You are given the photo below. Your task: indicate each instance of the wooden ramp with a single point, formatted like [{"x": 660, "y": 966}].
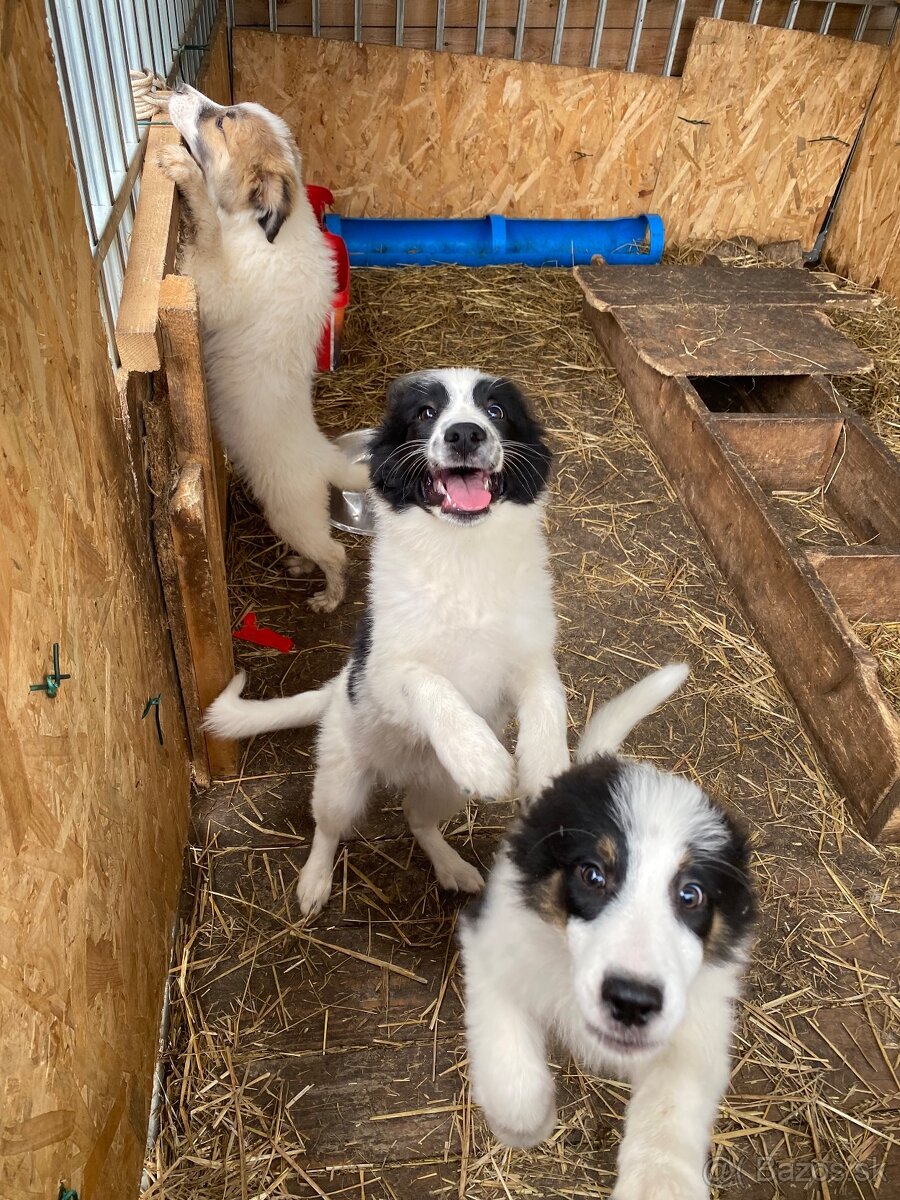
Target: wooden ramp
[{"x": 727, "y": 370}]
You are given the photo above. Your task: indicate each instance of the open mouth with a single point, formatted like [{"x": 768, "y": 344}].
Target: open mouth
[{"x": 464, "y": 491}]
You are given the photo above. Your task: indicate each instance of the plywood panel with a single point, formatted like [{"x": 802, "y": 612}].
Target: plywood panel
[
  {"x": 864, "y": 239},
  {"x": 215, "y": 77},
  {"x": 763, "y": 126},
  {"x": 92, "y": 808},
  {"x": 411, "y": 133}
]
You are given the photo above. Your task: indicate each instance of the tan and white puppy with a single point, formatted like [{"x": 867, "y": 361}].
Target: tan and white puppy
[{"x": 266, "y": 280}]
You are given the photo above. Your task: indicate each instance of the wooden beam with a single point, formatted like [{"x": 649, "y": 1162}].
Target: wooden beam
[
  {"x": 192, "y": 510},
  {"x": 150, "y": 255},
  {"x": 182, "y": 352},
  {"x": 792, "y": 453},
  {"x": 865, "y": 581},
  {"x": 830, "y": 674},
  {"x": 207, "y": 616},
  {"x": 864, "y": 487}
]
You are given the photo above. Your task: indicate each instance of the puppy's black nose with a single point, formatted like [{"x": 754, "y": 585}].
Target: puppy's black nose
[
  {"x": 464, "y": 436},
  {"x": 629, "y": 1001}
]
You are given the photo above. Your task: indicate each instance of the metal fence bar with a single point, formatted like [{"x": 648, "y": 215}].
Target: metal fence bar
[
  {"x": 755, "y": 9},
  {"x": 639, "y": 14},
  {"x": 674, "y": 35},
  {"x": 558, "y": 32},
  {"x": 399, "y": 20},
  {"x": 316, "y": 18},
  {"x": 791, "y": 16},
  {"x": 68, "y": 99},
  {"x": 894, "y": 26},
  {"x": 520, "y": 29},
  {"x": 862, "y": 22},
  {"x": 598, "y": 33},
  {"x": 718, "y": 10},
  {"x": 827, "y": 16},
  {"x": 480, "y": 22},
  {"x": 273, "y": 16},
  {"x": 439, "y": 22},
  {"x": 357, "y": 21}
]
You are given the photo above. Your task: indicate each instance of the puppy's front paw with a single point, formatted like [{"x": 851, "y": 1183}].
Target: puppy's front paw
[
  {"x": 661, "y": 1181},
  {"x": 176, "y": 164},
  {"x": 324, "y": 601},
  {"x": 525, "y": 1139},
  {"x": 313, "y": 890},
  {"x": 486, "y": 769}
]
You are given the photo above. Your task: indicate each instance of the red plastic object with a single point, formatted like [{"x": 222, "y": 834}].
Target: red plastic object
[
  {"x": 320, "y": 198},
  {"x": 328, "y": 355},
  {"x": 258, "y": 635}
]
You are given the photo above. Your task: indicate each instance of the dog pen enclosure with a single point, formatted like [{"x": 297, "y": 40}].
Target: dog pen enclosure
[{"x": 112, "y": 516}]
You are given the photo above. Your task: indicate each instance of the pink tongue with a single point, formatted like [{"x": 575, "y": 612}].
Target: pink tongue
[{"x": 468, "y": 493}]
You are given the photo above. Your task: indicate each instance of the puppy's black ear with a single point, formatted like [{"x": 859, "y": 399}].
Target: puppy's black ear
[
  {"x": 399, "y": 390},
  {"x": 274, "y": 193}
]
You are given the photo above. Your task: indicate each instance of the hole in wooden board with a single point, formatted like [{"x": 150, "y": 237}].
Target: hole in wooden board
[{"x": 784, "y": 394}]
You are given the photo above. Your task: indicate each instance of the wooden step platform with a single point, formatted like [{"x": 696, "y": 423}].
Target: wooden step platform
[{"x": 727, "y": 370}]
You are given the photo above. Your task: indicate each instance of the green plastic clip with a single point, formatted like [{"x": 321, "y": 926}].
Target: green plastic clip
[
  {"x": 51, "y": 682},
  {"x": 154, "y": 703}
]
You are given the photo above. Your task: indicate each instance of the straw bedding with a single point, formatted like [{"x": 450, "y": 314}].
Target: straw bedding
[{"x": 329, "y": 1060}]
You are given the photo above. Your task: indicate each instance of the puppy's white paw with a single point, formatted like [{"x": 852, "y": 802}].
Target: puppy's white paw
[
  {"x": 176, "y": 164},
  {"x": 313, "y": 890},
  {"x": 525, "y": 1139},
  {"x": 485, "y": 768},
  {"x": 459, "y": 876},
  {"x": 356, "y": 478},
  {"x": 297, "y": 566},
  {"x": 661, "y": 1181},
  {"x": 324, "y": 602}
]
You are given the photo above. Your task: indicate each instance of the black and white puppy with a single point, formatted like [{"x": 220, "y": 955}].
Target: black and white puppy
[
  {"x": 616, "y": 921},
  {"x": 459, "y": 632}
]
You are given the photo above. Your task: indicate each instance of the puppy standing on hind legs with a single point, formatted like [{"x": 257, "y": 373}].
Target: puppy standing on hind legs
[
  {"x": 459, "y": 632},
  {"x": 617, "y": 921},
  {"x": 266, "y": 282}
]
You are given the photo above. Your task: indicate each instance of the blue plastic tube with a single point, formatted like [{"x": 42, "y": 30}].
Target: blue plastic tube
[{"x": 493, "y": 241}]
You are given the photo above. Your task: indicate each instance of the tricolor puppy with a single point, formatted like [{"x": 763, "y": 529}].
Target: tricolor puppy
[
  {"x": 266, "y": 280},
  {"x": 616, "y": 923},
  {"x": 458, "y": 634}
]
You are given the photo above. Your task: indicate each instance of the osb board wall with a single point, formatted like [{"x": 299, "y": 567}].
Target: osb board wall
[
  {"x": 397, "y": 132},
  {"x": 864, "y": 239},
  {"x": 763, "y": 126},
  {"x": 379, "y": 18},
  {"x": 215, "y": 75},
  {"x": 92, "y": 809}
]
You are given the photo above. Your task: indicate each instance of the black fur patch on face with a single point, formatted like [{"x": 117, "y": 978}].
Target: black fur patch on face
[
  {"x": 396, "y": 470},
  {"x": 726, "y": 916},
  {"x": 570, "y": 848},
  {"x": 398, "y": 465},
  {"x": 527, "y": 456},
  {"x": 359, "y": 653}
]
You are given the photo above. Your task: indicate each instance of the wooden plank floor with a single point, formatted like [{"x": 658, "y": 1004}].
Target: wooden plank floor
[{"x": 329, "y": 1059}]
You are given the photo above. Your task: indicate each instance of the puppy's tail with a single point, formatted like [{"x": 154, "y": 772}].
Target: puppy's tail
[
  {"x": 231, "y": 717},
  {"x": 610, "y": 726}
]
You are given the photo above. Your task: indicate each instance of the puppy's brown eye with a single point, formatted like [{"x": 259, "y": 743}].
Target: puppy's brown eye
[
  {"x": 495, "y": 412},
  {"x": 691, "y": 895},
  {"x": 592, "y": 876},
  {"x": 426, "y": 414}
]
